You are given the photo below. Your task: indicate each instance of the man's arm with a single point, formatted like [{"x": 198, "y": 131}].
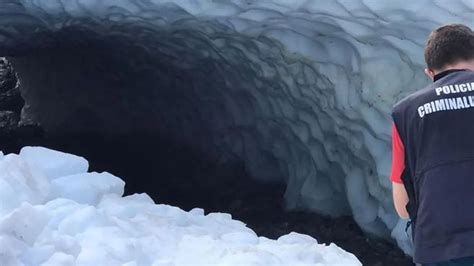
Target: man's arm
[
  {"x": 400, "y": 199},
  {"x": 400, "y": 196}
]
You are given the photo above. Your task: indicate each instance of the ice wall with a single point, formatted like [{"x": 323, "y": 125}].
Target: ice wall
[{"x": 300, "y": 90}]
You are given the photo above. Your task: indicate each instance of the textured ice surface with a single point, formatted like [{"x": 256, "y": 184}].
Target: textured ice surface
[
  {"x": 300, "y": 90},
  {"x": 83, "y": 219},
  {"x": 52, "y": 163}
]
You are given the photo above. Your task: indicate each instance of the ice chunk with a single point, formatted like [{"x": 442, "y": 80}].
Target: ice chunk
[
  {"x": 10, "y": 249},
  {"x": 25, "y": 223},
  {"x": 241, "y": 237},
  {"x": 87, "y": 188},
  {"x": 18, "y": 184},
  {"x": 81, "y": 220},
  {"x": 54, "y": 163},
  {"x": 197, "y": 211},
  {"x": 60, "y": 259},
  {"x": 295, "y": 238}
]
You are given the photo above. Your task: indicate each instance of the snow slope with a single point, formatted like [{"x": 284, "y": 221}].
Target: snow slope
[{"x": 52, "y": 212}]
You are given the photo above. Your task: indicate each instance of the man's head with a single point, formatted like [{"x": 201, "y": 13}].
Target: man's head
[{"x": 449, "y": 47}]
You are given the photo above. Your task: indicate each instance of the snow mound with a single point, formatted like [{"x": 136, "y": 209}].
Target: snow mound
[{"x": 53, "y": 212}]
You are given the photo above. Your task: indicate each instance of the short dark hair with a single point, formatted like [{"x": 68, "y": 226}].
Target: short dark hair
[{"x": 449, "y": 44}]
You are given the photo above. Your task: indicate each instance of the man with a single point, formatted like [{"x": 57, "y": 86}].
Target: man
[{"x": 433, "y": 152}]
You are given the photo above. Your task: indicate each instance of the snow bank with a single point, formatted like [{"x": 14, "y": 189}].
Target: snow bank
[{"x": 53, "y": 212}]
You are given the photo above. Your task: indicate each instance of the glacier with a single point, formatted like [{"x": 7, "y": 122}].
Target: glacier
[
  {"x": 300, "y": 90},
  {"x": 54, "y": 212}
]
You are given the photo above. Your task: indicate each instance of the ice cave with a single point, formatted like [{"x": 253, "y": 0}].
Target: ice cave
[{"x": 295, "y": 92}]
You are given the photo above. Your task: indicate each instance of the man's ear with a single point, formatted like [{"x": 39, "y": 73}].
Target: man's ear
[{"x": 430, "y": 73}]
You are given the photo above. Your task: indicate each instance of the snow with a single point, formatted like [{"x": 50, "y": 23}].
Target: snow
[
  {"x": 49, "y": 216},
  {"x": 313, "y": 110},
  {"x": 86, "y": 188},
  {"x": 52, "y": 163}
]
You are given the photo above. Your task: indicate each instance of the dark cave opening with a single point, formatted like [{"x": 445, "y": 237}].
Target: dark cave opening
[
  {"x": 149, "y": 118},
  {"x": 158, "y": 141},
  {"x": 129, "y": 112}
]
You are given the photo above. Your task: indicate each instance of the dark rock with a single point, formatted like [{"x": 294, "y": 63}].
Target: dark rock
[
  {"x": 10, "y": 96},
  {"x": 8, "y": 78},
  {"x": 11, "y": 100},
  {"x": 8, "y": 121}
]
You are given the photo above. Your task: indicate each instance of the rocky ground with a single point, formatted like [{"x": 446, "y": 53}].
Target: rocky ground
[{"x": 188, "y": 181}]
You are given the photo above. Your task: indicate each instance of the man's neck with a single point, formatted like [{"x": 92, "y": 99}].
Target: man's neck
[
  {"x": 443, "y": 74},
  {"x": 461, "y": 65}
]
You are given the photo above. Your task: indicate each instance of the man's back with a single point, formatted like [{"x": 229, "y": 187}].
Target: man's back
[{"x": 436, "y": 126}]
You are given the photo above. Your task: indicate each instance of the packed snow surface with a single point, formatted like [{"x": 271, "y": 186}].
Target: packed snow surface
[{"x": 53, "y": 212}]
